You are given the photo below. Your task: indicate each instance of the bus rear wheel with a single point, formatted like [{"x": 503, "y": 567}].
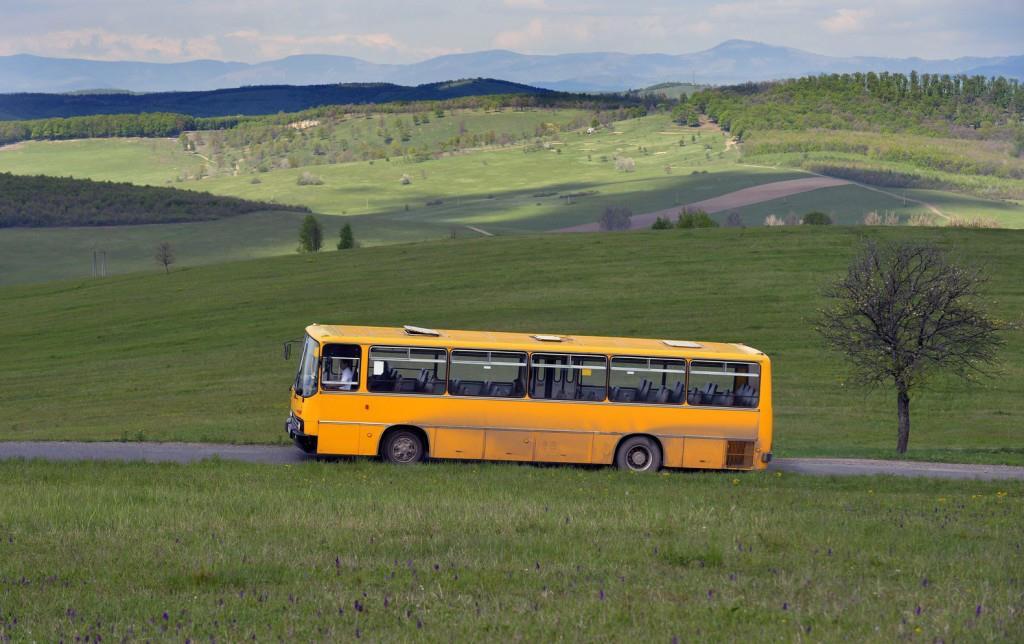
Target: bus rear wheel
[
  {"x": 638, "y": 454},
  {"x": 403, "y": 447}
]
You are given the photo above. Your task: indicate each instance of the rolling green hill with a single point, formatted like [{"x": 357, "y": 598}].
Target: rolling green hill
[{"x": 195, "y": 355}]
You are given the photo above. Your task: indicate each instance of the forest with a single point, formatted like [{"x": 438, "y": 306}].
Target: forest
[
  {"x": 971, "y": 107},
  {"x": 44, "y": 201}
]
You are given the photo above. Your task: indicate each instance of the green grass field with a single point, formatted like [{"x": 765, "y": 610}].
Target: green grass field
[
  {"x": 195, "y": 355},
  {"x": 467, "y": 552},
  {"x": 502, "y": 190}
]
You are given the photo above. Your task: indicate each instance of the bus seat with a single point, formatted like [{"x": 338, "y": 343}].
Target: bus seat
[
  {"x": 645, "y": 388},
  {"x": 663, "y": 395},
  {"x": 453, "y": 387},
  {"x": 677, "y": 392},
  {"x": 707, "y": 394}
]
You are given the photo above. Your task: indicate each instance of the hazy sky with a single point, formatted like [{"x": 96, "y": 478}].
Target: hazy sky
[{"x": 406, "y": 31}]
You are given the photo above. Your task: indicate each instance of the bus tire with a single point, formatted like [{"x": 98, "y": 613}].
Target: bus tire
[
  {"x": 638, "y": 454},
  {"x": 403, "y": 447}
]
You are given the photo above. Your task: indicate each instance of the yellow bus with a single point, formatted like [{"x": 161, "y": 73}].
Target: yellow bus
[{"x": 408, "y": 394}]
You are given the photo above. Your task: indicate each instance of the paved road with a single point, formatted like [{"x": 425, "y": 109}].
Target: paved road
[{"x": 191, "y": 452}]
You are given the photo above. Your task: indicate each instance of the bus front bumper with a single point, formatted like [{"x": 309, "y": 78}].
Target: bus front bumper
[{"x": 293, "y": 426}]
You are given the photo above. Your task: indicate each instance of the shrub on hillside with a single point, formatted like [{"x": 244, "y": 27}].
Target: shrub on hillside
[
  {"x": 625, "y": 164},
  {"x": 405, "y": 180},
  {"x": 695, "y": 219},
  {"x": 734, "y": 220},
  {"x": 616, "y": 218},
  {"x": 662, "y": 223},
  {"x": 772, "y": 220},
  {"x": 977, "y": 222},
  {"x": 816, "y": 218},
  {"x": 309, "y": 179}
]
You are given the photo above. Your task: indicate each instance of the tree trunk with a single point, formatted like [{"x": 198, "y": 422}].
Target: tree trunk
[{"x": 903, "y": 413}]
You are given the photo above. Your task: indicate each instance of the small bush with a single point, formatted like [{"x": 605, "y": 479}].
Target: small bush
[
  {"x": 309, "y": 179},
  {"x": 792, "y": 219},
  {"x": 734, "y": 220},
  {"x": 922, "y": 219},
  {"x": 772, "y": 220},
  {"x": 255, "y": 180},
  {"x": 662, "y": 223},
  {"x": 816, "y": 218},
  {"x": 695, "y": 219},
  {"x": 625, "y": 164},
  {"x": 978, "y": 222},
  {"x": 872, "y": 219},
  {"x": 405, "y": 180}
]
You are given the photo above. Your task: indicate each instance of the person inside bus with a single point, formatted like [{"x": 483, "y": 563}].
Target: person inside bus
[{"x": 347, "y": 376}]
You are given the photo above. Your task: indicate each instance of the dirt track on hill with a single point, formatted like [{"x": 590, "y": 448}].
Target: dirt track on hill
[
  {"x": 737, "y": 199},
  {"x": 192, "y": 452}
]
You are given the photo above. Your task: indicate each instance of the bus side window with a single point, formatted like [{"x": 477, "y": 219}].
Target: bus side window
[
  {"x": 724, "y": 384},
  {"x": 660, "y": 381},
  {"x": 409, "y": 370},
  {"x": 495, "y": 374},
  {"x": 340, "y": 367}
]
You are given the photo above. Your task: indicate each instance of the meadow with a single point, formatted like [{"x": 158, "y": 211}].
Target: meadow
[
  {"x": 560, "y": 179},
  {"x": 195, "y": 355},
  {"x": 330, "y": 551}
]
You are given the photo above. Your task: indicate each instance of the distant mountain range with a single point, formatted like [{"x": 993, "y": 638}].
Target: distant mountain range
[
  {"x": 733, "y": 61},
  {"x": 261, "y": 99}
]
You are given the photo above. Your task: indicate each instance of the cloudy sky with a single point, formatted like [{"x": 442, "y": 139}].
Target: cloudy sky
[{"x": 408, "y": 30}]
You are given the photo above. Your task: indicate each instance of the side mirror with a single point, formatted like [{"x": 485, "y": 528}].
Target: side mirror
[{"x": 288, "y": 348}]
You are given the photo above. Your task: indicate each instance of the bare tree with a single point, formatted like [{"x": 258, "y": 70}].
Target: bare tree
[
  {"x": 616, "y": 218},
  {"x": 165, "y": 255},
  {"x": 904, "y": 311}
]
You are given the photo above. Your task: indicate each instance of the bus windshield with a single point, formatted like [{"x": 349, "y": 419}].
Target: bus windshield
[{"x": 305, "y": 379}]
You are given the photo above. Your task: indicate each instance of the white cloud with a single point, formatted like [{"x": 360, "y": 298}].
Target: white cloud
[
  {"x": 846, "y": 20},
  {"x": 531, "y": 35},
  {"x": 101, "y": 44}
]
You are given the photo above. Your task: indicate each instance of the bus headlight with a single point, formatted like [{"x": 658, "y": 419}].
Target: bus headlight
[{"x": 293, "y": 425}]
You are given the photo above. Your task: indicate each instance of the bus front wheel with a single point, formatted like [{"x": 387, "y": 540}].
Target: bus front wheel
[
  {"x": 639, "y": 454},
  {"x": 403, "y": 447}
]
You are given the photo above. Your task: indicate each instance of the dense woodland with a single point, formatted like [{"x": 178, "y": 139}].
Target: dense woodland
[
  {"x": 941, "y": 105},
  {"x": 57, "y": 201},
  {"x": 261, "y": 99},
  {"x": 171, "y": 124}
]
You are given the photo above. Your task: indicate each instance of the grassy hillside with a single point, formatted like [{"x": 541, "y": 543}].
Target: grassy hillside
[
  {"x": 335, "y": 552},
  {"x": 196, "y": 355}
]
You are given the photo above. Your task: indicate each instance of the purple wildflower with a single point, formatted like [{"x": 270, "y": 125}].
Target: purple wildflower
[
  {"x": 977, "y": 611},
  {"x": 785, "y": 605},
  {"x": 166, "y": 616},
  {"x": 917, "y": 610},
  {"x": 358, "y": 605},
  {"x": 600, "y": 594}
]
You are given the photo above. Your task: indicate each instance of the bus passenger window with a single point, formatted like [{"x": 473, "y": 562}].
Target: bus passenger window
[
  {"x": 408, "y": 370},
  {"x": 496, "y": 374},
  {"x": 724, "y": 384},
  {"x": 558, "y": 376},
  {"x": 340, "y": 367},
  {"x": 648, "y": 380}
]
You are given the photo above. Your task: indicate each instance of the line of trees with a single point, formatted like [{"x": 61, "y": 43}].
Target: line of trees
[
  {"x": 171, "y": 124},
  {"x": 43, "y": 201},
  {"x": 149, "y": 125}
]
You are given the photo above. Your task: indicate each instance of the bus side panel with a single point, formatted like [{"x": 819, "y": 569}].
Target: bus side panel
[
  {"x": 672, "y": 449},
  {"x": 564, "y": 447},
  {"x": 338, "y": 439},
  {"x": 457, "y": 443}
]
